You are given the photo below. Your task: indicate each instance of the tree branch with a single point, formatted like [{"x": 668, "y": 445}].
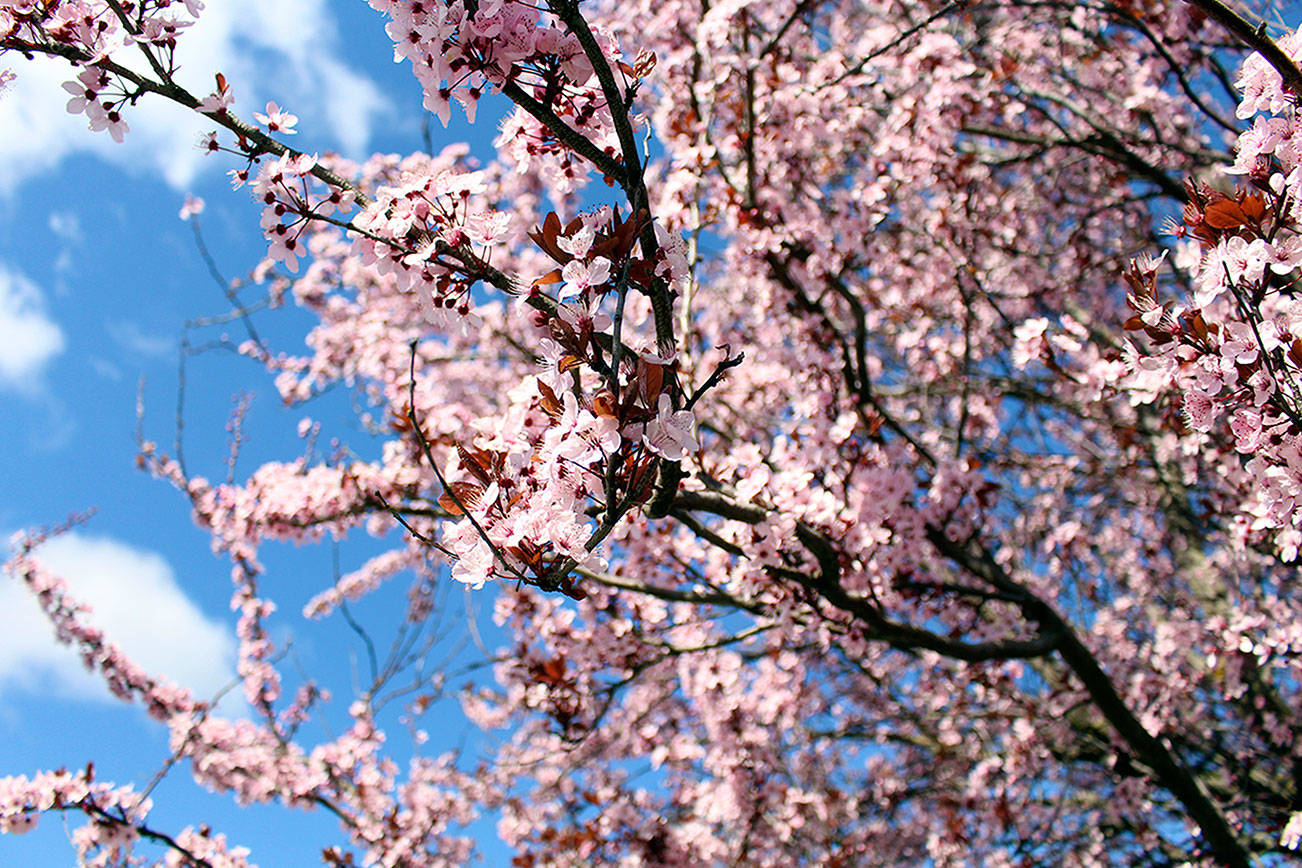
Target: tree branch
[{"x": 1256, "y": 39}]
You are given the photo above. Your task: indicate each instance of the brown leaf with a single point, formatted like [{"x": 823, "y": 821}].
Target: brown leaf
[
  {"x": 479, "y": 463},
  {"x": 645, "y": 62},
  {"x": 650, "y": 381},
  {"x": 551, "y": 406},
  {"x": 604, "y": 405},
  {"x": 1295, "y": 352},
  {"x": 466, "y": 492},
  {"x": 545, "y": 237},
  {"x": 552, "y": 672},
  {"x": 1254, "y": 208},
  {"x": 1226, "y": 214},
  {"x": 553, "y": 276}
]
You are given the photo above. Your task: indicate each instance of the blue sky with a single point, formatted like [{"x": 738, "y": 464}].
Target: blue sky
[{"x": 98, "y": 277}]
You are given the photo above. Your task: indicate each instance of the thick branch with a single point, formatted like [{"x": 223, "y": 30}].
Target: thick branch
[
  {"x": 1255, "y": 38},
  {"x": 631, "y": 177},
  {"x": 1167, "y": 770},
  {"x": 827, "y": 584},
  {"x": 1172, "y": 775},
  {"x": 563, "y": 132},
  {"x": 1055, "y": 634}
]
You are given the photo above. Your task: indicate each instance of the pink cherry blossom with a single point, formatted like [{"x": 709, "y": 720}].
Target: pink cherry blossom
[
  {"x": 193, "y": 205},
  {"x": 581, "y": 276},
  {"x": 670, "y": 432},
  {"x": 277, "y": 120},
  {"x": 217, "y": 103},
  {"x": 110, "y": 119}
]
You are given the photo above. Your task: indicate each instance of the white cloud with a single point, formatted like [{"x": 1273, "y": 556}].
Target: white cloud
[
  {"x": 28, "y": 337},
  {"x": 134, "y": 340},
  {"x": 281, "y": 50},
  {"x": 135, "y": 599},
  {"x": 66, "y": 225}
]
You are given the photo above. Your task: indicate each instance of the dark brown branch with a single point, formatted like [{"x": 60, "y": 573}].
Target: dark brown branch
[
  {"x": 671, "y": 595},
  {"x": 1055, "y": 634},
  {"x": 1255, "y": 38},
  {"x": 563, "y": 132},
  {"x": 1167, "y": 770},
  {"x": 827, "y": 584},
  {"x": 1102, "y": 143},
  {"x": 97, "y": 813},
  {"x": 899, "y": 40},
  {"x": 631, "y": 175},
  {"x": 802, "y": 7},
  {"x": 1180, "y": 74}
]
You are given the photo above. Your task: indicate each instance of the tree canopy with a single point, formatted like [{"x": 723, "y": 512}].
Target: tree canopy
[{"x": 810, "y": 388}]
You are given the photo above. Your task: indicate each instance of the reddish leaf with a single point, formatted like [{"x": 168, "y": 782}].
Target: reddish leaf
[
  {"x": 551, "y": 406},
  {"x": 1295, "y": 352},
  {"x": 604, "y": 405},
  {"x": 1226, "y": 214},
  {"x": 545, "y": 237},
  {"x": 650, "y": 381},
  {"x": 553, "y": 276},
  {"x": 466, "y": 492},
  {"x": 479, "y": 463},
  {"x": 552, "y": 671},
  {"x": 644, "y": 64},
  {"x": 1254, "y": 208}
]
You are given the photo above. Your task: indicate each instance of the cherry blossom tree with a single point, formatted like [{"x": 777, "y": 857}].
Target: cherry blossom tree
[{"x": 845, "y": 473}]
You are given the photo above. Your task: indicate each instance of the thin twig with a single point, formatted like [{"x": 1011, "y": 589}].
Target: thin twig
[{"x": 451, "y": 492}]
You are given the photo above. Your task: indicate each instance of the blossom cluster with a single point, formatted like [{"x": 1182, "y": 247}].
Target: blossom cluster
[
  {"x": 90, "y": 32},
  {"x": 432, "y": 231},
  {"x": 1234, "y": 355},
  {"x": 282, "y": 187},
  {"x": 459, "y": 49}
]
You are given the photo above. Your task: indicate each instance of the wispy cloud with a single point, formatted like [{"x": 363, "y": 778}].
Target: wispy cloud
[
  {"x": 66, "y": 226},
  {"x": 28, "y": 337},
  {"x": 136, "y": 600},
  {"x": 283, "y": 50},
  {"x": 130, "y": 337}
]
